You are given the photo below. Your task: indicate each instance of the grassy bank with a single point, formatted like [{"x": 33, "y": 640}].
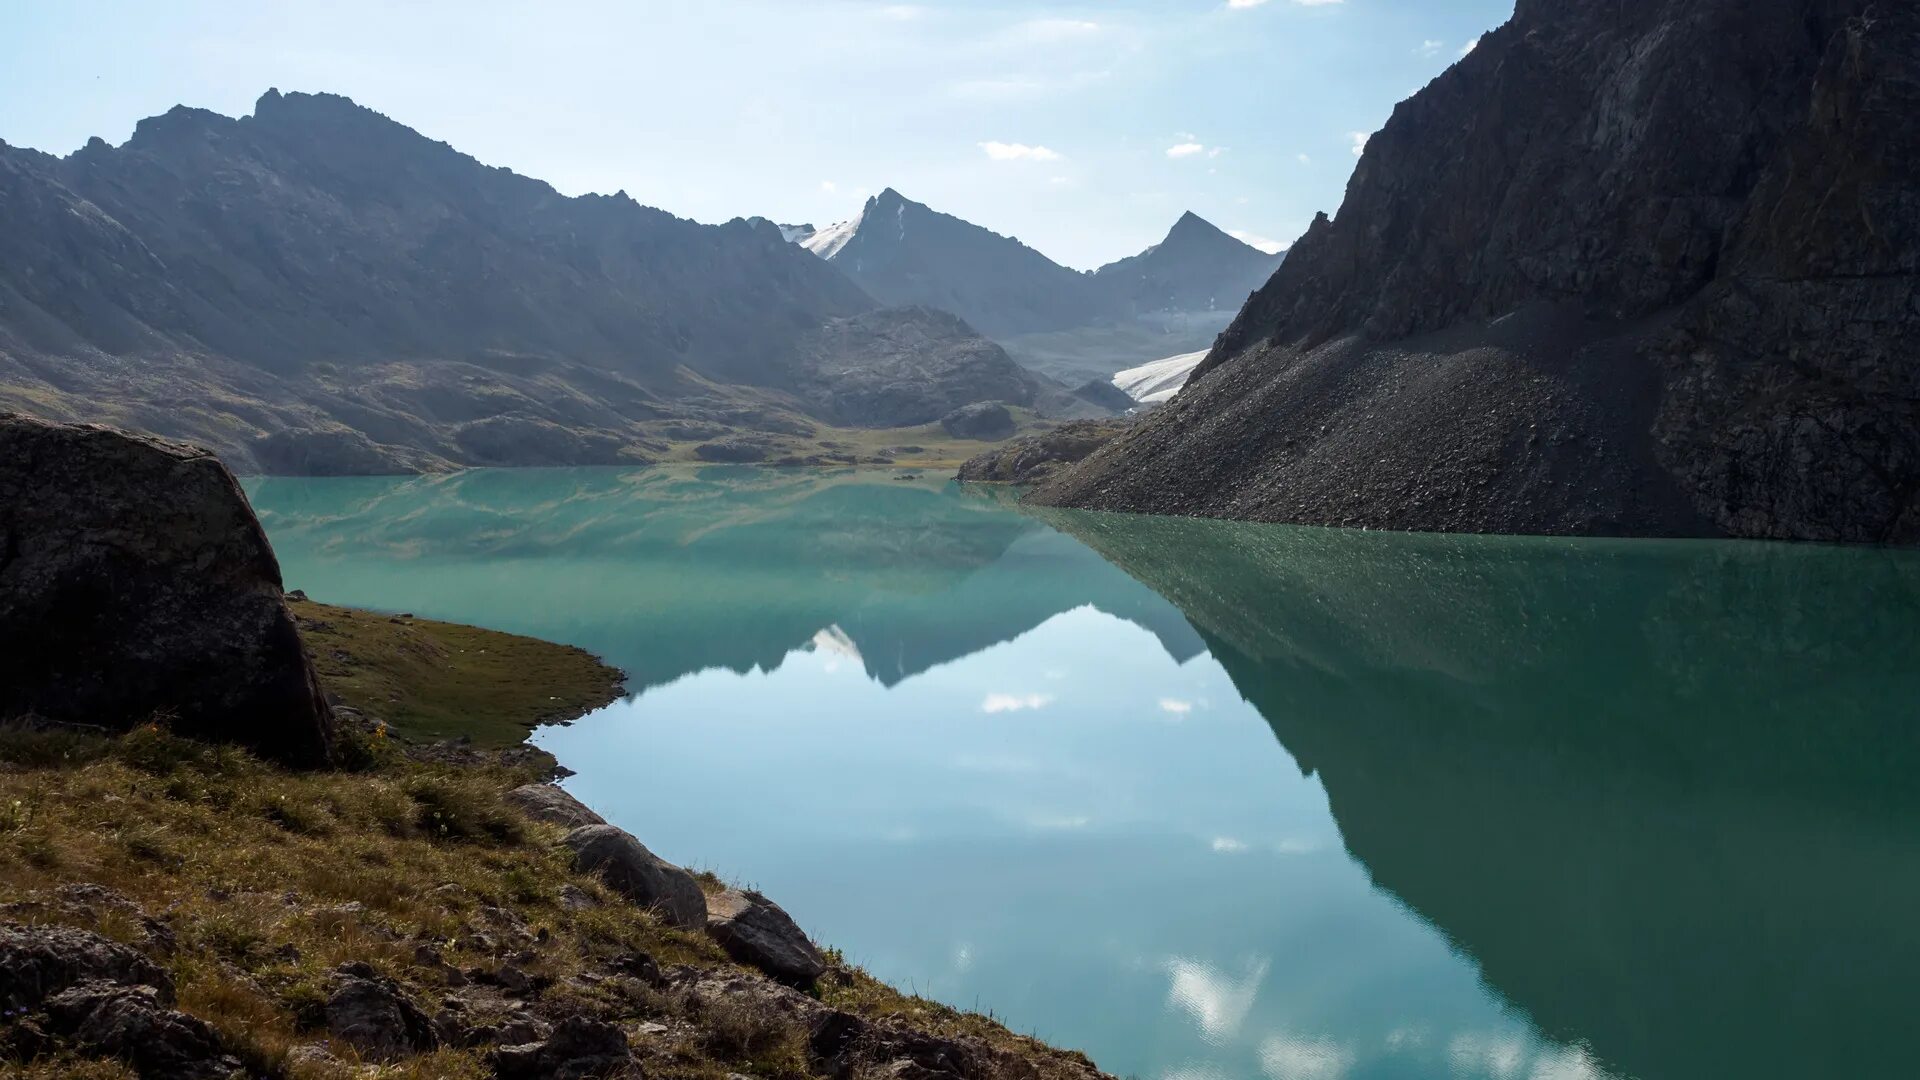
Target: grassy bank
[{"x": 251, "y": 886}]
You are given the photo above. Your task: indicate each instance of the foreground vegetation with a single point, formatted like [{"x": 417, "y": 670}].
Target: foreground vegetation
[{"x": 252, "y": 886}]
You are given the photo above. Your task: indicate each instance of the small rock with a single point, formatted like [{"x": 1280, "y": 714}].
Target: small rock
[
  {"x": 575, "y": 898},
  {"x": 626, "y": 865},
  {"x": 755, "y": 931}
]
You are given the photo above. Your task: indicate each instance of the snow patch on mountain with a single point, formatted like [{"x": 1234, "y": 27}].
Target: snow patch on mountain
[
  {"x": 828, "y": 241},
  {"x": 1157, "y": 382}
]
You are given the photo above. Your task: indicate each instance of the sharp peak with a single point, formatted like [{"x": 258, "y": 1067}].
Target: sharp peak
[{"x": 1191, "y": 222}]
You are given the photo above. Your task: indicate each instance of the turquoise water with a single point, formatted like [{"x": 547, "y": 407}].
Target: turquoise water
[{"x": 1212, "y": 800}]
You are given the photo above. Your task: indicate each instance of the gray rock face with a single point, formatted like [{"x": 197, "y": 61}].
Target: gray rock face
[
  {"x": 626, "y": 865},
  {"x": 984, "y": 421},
  {"x": 1035, "y": 457},
  {"x": 578, "y": 1048},
  {"x": 135, "y": 580},
  {"x": 37, "y": 962},
  {"x": 134, "y": 1024},
  {"x": 371, "y": 1013},
  {"x": 552, "y": 803},
  {"x": 1638, "y": 267},
  {"x": 758, "y": 932}
]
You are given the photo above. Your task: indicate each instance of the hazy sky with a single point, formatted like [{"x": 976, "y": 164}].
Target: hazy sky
[{"x": 1082, "y": 128}]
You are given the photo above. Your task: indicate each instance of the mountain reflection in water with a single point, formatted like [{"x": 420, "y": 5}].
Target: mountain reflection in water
[{"x": 1628, "y": 808}]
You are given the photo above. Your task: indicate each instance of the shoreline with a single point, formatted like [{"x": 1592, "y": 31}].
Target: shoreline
[{"x": 434, "y": 903}]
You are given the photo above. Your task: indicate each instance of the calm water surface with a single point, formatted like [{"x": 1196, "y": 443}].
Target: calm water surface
[{"x": 1216, "y": 801}]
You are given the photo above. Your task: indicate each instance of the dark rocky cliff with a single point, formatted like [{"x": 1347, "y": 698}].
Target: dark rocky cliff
[{"x": 1631, "y": 266}]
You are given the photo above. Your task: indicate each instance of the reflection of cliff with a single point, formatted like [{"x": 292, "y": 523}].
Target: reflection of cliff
[
  {"x": 1661, "y": 792},
  {"x": 671, "y": 571}
]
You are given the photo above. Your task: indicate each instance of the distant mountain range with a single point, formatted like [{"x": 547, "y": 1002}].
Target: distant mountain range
[
  {"x": 1172, "y": 297},
  {"x": 317, "y": 288}
]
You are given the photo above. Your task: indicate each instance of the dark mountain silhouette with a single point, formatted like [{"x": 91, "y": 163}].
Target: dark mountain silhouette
[
  {"x": 1634, "y": 266},
  {"x": 316, "y": 287}
]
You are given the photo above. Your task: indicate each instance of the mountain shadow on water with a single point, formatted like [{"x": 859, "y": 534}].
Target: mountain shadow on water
[
  {"x": 1661, "y": 793},
  {"x": 667, "y": 572}
]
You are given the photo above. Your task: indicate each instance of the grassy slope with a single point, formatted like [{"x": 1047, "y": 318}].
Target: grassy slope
[
  {"x": 268, "y": 880},
  {"x": 432, "y": 680}
]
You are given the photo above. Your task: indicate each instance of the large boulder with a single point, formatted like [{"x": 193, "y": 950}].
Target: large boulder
[
  {"x": 578, "y": 1048},
  {"x": 551, "y": 803},
  {"x": 626, "y": 865},
  {"x": 757, "y": 932},
  {"x": 135, "y": 582}
]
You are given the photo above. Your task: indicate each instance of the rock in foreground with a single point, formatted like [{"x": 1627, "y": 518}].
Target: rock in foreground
[
  {"x": 758, "y": 932},
  {"x": 1644, "y": 267},
  {"x": 135, "y": 582},
  {"x": 626, "y": 865}
]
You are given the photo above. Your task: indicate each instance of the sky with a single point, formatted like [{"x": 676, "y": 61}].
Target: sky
[{"x": 1083, "y": 128}]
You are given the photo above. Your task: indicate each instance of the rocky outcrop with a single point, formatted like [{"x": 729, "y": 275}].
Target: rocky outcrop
[
  {"x": 906, "y": 366},
  {"x": 1035, "y": 457},
  {"x": 37, "y": 962},
  {"x": 984, "y": 421},
  {"x": 552, "y": 803},
  {"x": 579, "y": 1048},
  {"x": 627, "y": 867},
  {"x": 134, "y": 1024},
  {"x": 1643, "y": 266},
  {"x": 372, "y": 1014},
  {"x": 759, "y": 933},
  {"x": 136, "y": 585}
]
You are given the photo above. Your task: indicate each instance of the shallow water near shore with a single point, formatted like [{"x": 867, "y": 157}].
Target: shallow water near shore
[{"x": 1213, "y": 800}]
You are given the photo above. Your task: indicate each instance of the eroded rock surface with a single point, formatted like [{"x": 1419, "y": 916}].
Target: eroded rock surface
[
  {"x": 552, "y": 803},
  {"x": 985, "y": 421},
  {"x": 1641, "y": 267},
  {"x": 1035, "y": 457},
  {"x": 135, "y": 584}
]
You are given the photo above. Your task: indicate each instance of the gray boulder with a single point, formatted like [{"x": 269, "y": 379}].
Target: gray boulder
[
  {"x": 135, "y": 580},
  {"x": 370, "y": 1012},
  {"x": 578, "y": 1048},
  {"x": 986, "y": 421},
  {"x": 134, "y": 1024},
  {"x": 37, "y": 962},
  {"x": 755, "y": 931},
  {"x": 551, "y": 803},
  {"x": 626, "y": 865}
]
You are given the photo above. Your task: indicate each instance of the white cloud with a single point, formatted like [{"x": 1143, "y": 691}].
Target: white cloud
[
  {"x": 1303, "y": 159},
  {"x": 829, "y": 186},
  {"x": 1254, "y": 240},
  {"x": 1217, "y": 1002},
  {"x": 1469, "y": 47},
  {"x": 1430, "y": 47},
  {"x": 999, "y": 703},
  {"x": 1227, "y": 845},
  {"x": 900, "y": 12},
  {"x": 1175, "y": 706},
  {"x": 1359, "y": 140},
  {"x": 1185, "y": 150},
  {"x": 1238, "y": 5},
  {"x": 1041, "y": 31},
  {"x": 1001, "y": 151}
]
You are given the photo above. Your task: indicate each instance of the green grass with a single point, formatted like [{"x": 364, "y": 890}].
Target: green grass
[{"x": 432, "y": 680}]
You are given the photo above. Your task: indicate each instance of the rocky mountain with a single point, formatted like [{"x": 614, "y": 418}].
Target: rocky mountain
[
  {"x": 316, "y": 287},
  {"x": 1638, "y": 266},
  {"x": 1197, "y": 268},
  {"x": 905, "y": 253},
  {"x": 1173, "y": 297}
]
